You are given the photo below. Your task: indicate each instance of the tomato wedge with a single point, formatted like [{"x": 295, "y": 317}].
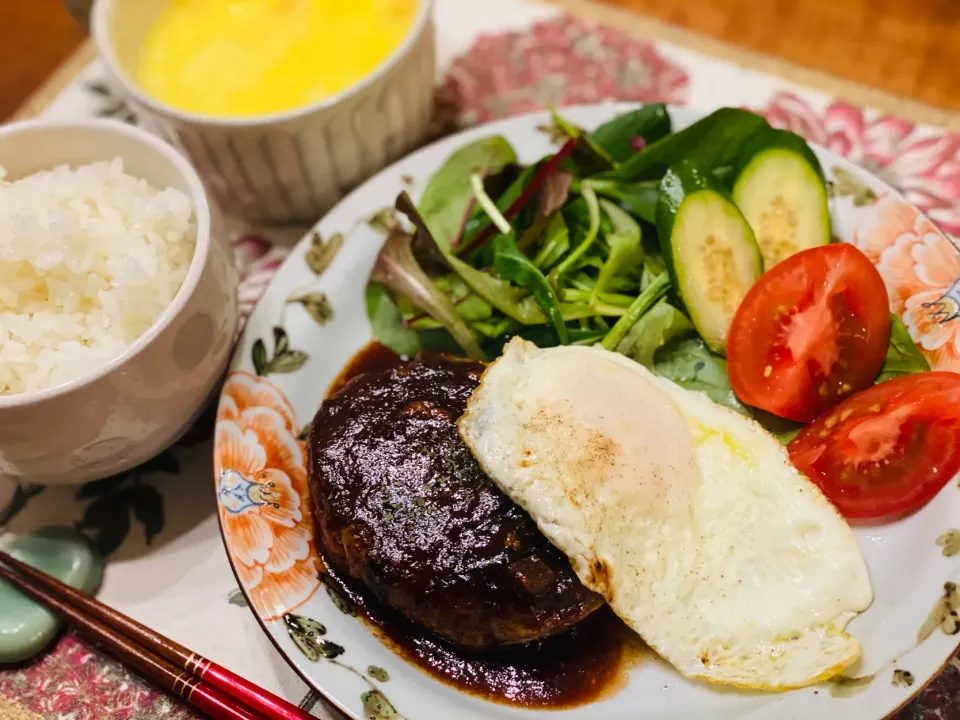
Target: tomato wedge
[
  {"x": 888, "y": 449},
  {"x": 811, "y": 331}
]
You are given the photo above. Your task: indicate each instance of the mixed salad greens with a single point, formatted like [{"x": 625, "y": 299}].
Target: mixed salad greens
[{"x": 632, "y": 237}]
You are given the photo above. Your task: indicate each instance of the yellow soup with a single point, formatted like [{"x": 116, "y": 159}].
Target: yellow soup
[{"x": 235, "y": 58}]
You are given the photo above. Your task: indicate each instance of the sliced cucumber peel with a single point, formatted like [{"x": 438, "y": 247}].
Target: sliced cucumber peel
[
  {"x": 781, "y": 192},
  {"x": 711, "y": 253}
]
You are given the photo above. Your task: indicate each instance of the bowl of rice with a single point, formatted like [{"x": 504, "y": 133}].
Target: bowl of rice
[{"x": 117, "y": 299}]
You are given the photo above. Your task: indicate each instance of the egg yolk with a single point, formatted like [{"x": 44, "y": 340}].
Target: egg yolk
[{"x": 236, "y": 58}]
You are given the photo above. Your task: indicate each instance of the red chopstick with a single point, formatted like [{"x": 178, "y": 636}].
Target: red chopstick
[{"x": 201, "y": 682}]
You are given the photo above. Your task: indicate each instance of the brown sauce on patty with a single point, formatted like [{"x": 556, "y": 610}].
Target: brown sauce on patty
[{"x": 579, "y": 665}]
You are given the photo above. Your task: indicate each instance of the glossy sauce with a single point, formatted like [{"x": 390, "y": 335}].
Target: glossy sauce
[
  {"x": 374, "y": 357},
  {"x": 580, "y": 666}
]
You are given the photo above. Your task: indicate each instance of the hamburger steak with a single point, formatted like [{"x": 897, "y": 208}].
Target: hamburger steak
[{"x": 402, "y": 505}]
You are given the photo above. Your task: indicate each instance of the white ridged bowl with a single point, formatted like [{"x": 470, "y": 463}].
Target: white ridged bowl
[{"x": 295, "y": 165}]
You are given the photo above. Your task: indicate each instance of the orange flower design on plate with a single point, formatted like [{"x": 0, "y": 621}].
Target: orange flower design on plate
[
  {"x": 260, "y": 466},
  {"x": 921, "y": 268}
]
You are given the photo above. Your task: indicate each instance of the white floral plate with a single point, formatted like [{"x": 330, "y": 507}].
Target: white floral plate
[{"x": 312, "y": 320}]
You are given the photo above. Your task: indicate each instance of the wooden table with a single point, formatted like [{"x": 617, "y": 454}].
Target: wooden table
[
  {"x": 36, "y": 36},
  {"x": 905, "y": 47}
]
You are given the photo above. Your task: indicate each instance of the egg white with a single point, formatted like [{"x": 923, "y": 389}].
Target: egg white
[{"x": 687, "y": 517}]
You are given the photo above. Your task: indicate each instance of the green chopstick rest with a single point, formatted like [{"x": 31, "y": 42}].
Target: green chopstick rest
[{"x": 26, "y": 627}]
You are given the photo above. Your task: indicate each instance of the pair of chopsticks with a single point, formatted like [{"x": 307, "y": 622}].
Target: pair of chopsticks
[{"x": 208, "y": 687}]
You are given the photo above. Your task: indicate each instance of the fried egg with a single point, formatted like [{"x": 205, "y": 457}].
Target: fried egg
[{"x": 687, "y": 517}]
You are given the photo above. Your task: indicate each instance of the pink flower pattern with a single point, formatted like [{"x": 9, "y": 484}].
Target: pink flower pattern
[
  {"x": 257, "y": 262},
  {"x": 923, "y": 165},
  {"x": 921, "y": 269},
  {"x": 74, "y": 682},
  {"x": 558, "y": 62}
]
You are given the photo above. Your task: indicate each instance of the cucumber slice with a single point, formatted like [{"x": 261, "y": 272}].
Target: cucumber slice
[
  {"x": 781, "y": 192},
  {"x": 710, "y": 250}
]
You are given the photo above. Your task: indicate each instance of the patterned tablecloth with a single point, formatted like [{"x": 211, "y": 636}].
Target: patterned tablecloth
[{"x": 157, "y": 524}]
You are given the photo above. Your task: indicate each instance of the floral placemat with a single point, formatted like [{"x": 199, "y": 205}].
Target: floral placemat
[{"x": 157, "y": 524}]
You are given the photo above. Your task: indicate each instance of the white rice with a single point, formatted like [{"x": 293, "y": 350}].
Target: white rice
[{"x": 89, "y": 259}]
